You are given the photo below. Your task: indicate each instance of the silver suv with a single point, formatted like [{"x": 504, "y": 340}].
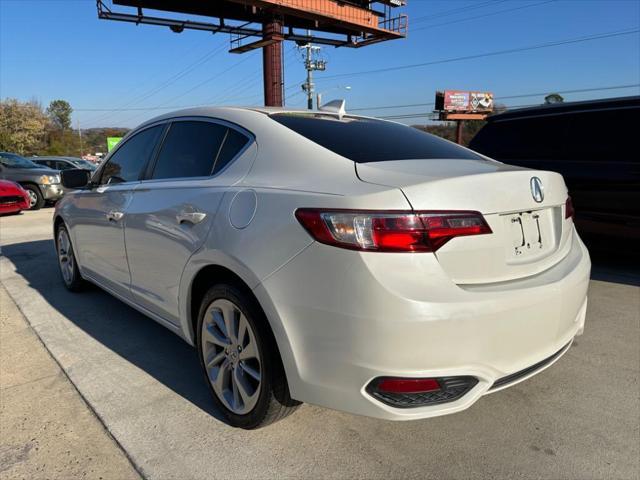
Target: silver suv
[{"x": 41, "y": 183}]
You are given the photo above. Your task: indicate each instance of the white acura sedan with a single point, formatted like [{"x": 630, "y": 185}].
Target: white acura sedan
[{"x": 344, "y": 261}]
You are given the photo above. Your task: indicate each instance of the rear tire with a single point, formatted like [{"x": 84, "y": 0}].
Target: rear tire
[
  {"x": 67, "y": 261},
  {"x": 36, "y": 200},
  {"x": 240, "y": 359}
]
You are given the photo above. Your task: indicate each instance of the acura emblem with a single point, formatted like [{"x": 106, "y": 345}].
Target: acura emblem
[{"x": 537, "y": 191}]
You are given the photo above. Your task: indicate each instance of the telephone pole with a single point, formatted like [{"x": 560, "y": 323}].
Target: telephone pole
[
  {"x": 311, "y": 64},
  {"x": 80, "y": 135}
]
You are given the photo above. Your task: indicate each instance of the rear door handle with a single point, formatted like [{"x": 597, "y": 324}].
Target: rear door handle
[
  {"x": 190, "y": 217},
  {"x": 114, "y": 216}
]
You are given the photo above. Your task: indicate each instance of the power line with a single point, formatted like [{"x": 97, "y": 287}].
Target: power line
[
  {"x": 490, "y": 14},
  {"x": 200, "y": 84},
  {"x": 169, "y": 81},
  {"x": 242, "y": 84},
  {"x": 455, "y": 11},
  {"x": 580, "y": 90},
  {"x": 557, "y": 43},
  {"x": 385, "y": 107},
  {"x": 462, "y": 58}
]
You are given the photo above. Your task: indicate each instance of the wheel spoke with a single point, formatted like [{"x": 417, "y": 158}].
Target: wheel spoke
[
  {"x": 218, "y": 319},
  {"x": 243, "y": 388},
  {"x": 230, "y": 320},
  {"x": 220, "y": 380},
  {"x": 243, "y": 331},
  {"x": 215, "y": 358},
  {"x": 210, "y": 335},
  {"x": 248, "y": 351},
  {"x": 234, "y": 389},
  {"x": 255, "y": 374},
  {"x": 62, "y": 243}
]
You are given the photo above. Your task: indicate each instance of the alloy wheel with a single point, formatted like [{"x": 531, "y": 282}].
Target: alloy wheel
[
  {"x": 65, "y": 256},
  {"x": 33, "y": 198},
  {"x": 231, "y": 356}
]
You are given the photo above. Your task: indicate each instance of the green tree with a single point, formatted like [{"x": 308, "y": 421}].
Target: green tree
[
  {"x": 553, "y": 98},
  {"x": 59, "y": 113},
  {"x": 22, "y": 126}
]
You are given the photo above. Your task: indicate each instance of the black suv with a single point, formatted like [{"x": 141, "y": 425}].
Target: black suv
[{"x": 591, "y": 144}]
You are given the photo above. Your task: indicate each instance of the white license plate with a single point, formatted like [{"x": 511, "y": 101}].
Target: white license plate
[{"x": 529, "y": 233}]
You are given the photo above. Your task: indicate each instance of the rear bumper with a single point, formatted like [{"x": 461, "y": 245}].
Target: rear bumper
[{"x": 343, "y": 318}]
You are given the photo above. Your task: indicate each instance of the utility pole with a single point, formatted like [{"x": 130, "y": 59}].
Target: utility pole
[
  {"x": 79, "y": 135},
  {"x": 311, "y": 64}
]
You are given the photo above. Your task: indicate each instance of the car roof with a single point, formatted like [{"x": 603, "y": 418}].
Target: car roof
[
  {"x": 568, "y": 107},
  {"x": 227, "y": 112},
  {"x": 52, "y": 157}
]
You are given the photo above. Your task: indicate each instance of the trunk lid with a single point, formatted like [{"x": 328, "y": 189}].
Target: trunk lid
[{"x": 528, "y": 236}]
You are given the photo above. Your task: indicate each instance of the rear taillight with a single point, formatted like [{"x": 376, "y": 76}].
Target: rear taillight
[
  {"x": 569, "y": 212},
  {"x": 381, "y": 231}
]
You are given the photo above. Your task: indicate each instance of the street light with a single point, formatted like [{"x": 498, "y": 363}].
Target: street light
[{"x": 337, "y": 87}]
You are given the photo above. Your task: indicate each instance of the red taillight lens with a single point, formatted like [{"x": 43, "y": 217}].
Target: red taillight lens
[
  {"x": 390, "y": 231},
  {"x": 408, "y": 385},
  {"x": 569, "y": 212}
]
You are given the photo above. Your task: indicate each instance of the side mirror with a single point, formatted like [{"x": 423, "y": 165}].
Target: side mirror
[{"x": 75, "y": 178}]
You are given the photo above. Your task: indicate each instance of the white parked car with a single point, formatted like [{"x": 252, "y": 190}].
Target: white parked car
[{"x": 344, "y": 261}]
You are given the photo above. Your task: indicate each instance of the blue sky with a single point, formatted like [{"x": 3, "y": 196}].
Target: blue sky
[{"x": 53, "y": 49}]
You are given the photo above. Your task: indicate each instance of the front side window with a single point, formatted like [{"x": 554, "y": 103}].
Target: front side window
[
  {"x": 127, "y": 163},
  {"x": 190, "y": 149},
  {"x": 366, "y": 140}
]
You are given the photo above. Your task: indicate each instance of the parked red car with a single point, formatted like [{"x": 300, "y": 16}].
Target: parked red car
[{"x": 13, "y": 198}]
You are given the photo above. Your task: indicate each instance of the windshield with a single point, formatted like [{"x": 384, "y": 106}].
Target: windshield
[
  {"x": 11, "y": 160},
  {"x": 85, "y": 164},
  {"x": 366, "y": 140}
]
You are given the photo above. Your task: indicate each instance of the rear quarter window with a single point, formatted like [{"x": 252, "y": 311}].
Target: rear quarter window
[{"x": 366, "y": 140}]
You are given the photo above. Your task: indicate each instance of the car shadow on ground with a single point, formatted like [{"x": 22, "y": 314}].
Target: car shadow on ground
[
  {"x": 153, "y": 348},
  {"x": 128, "y": 333}
]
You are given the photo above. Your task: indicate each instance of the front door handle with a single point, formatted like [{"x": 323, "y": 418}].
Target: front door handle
[
  {"x": 114, "y": 216},
  {"x": 190, "y": 217}
]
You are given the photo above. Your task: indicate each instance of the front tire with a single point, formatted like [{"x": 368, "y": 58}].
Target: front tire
[
  {"x": 240, "y": 359},
  {"x": 67, "y": 261},
  {"x": 36, "y": 200}
]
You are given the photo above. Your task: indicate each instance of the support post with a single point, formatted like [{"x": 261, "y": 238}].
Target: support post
[
  {"x": 459, "y": 125},
  {"x": 272, "y": 66}
]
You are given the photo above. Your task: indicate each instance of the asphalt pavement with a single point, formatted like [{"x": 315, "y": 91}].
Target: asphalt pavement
[{"x": 578, "y": 419}]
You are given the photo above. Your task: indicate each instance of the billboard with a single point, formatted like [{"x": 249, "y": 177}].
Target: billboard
[
  {"x": 464, "y": 101},
  {"x": 112, "y": 142}
]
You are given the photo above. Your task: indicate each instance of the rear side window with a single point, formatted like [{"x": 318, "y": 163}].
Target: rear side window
[
  {"x": 366, "y": 140},
  {"x": 127, "y": 163},
  {"x": 537, "y": 138},
  {"x": 190, "y": 149}
]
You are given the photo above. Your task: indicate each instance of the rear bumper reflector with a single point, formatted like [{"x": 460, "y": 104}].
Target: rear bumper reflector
[{"x": 397, "y": 393}]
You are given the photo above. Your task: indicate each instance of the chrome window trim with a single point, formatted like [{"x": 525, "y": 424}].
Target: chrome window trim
[{"x": 251, "y": 139}]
